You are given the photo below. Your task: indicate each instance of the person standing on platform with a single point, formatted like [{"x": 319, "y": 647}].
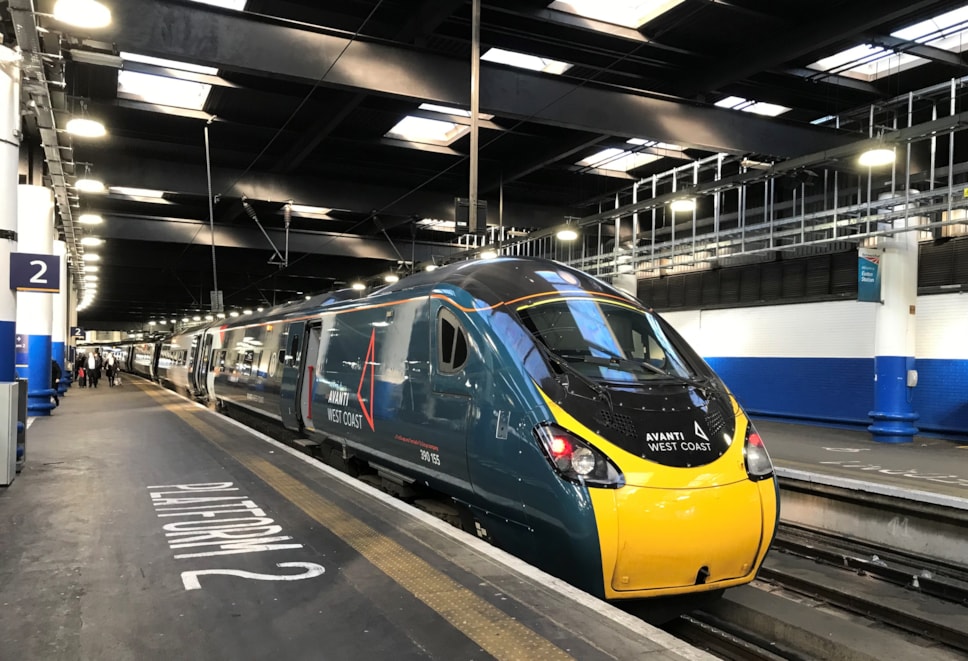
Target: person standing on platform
[
  {"x": 110, "y": 369},
  {"x": 80, "y": 374},
  {"x": 55, "y": 377},
  {"x": 93, "y": 370}
]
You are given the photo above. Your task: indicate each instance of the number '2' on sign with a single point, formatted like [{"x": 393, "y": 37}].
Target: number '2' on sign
[{"x": 34, "y": 272}]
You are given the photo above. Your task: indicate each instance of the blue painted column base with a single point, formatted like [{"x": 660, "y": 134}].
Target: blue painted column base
[
  {"x": 893, "y": 415},
  {"x": 36, "y": 369},
  {"x": 39, "y": 402}
]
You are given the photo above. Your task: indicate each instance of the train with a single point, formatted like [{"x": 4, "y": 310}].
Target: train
[{"x": 534, "y": 405}]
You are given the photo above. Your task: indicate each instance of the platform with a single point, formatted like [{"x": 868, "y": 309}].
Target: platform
[
  {"x": 147, "y": 527},
  {"x": 929, "y": 469}
]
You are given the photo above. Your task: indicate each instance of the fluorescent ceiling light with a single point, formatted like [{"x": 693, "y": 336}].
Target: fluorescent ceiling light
[
  {"x": 136, "y": 192},
  {"x": 421, "y": 129},
  {"x": 82, "y": 13},
  {"x": 90, "y": 257},
  {"x": 91, "y": 241},
  {"x": 756, "y": 107},
  {"x": 306, "y": 209},
  {"x": 238, "y": 5},
  {"x": 447, "y": 110},
  {"x": 161, "y": 90},
  {"x": 618, "y": 160},
  {"x": 168, "y": 64},
  {"x": 630, "y": 13},
  {"x": 523, "y": 61},
  {"x": 90, "y": 219},
  {"x": 86, "y": 128}
]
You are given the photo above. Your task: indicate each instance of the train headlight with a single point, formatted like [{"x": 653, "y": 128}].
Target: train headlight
[
  {"x": 758, "y": 463},
  {"x": 576, "y": 460}
]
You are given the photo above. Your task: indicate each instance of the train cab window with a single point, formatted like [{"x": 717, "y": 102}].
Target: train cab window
[{"x": 451, "y": 343}]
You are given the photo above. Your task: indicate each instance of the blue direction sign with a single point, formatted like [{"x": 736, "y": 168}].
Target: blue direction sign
[{"x": 30, "y": 272}]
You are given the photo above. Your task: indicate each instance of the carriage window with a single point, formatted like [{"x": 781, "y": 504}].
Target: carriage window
[{"x": 452, "y": 343}]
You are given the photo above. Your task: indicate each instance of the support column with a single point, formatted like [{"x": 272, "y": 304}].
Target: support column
[
  {"x": 894, "y": 337},
  {"x": 35, "y": 234},
  {"x": 58, "y": 330},
  {"x": 9, "y": 161}
]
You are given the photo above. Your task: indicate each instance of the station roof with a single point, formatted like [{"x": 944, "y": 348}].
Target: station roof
[{"x": 311, "y": 114}]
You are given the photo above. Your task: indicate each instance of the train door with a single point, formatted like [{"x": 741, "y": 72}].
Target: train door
[
  {"x": 448, "y": 408},
  {"x": 292, "y": 365},
  {"x": 307, "y": 384},
  {"x": 198, "y": 377}
]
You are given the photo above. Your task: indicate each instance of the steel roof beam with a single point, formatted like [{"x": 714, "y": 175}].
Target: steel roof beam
[{"x": 204, "y": 35}]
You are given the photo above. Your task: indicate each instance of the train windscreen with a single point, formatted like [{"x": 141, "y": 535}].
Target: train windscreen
[{"x": 606, "y": 340}]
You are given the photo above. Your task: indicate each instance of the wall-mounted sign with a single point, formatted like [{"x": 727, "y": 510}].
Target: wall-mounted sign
[
  {"x": 869, "y": 275},
  {"x": 77, "y": 332},
  {"x": 29, "y": 272}
]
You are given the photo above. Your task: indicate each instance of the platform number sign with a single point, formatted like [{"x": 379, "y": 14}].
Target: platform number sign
[{"x": 31, "y": 272}]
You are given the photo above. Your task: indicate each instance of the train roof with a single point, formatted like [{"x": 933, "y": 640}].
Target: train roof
[{"x": 494, "y": 281}]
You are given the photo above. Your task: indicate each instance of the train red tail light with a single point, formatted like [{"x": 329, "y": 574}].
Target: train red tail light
[
  {"x": 576, "y": 460},
  {"x": 758, "y": 463}
]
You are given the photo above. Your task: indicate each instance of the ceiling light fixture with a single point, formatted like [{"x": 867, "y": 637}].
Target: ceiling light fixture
[
  {"x": 90, "y": 219},
  {"x": 91, "y": 241},
  {"x": 358, "y": 286},
  {"x": 876, "y": 157},
  {"x": 391, "y": 278},
  {"x": 82, "y": 13},
  {"x": 683, "y": 204},
  {"x": 89, "y": 185},
  {"x": 567, "y": 234},
  {"x": 488, "y": 254},
  {"x": 86, "y": 128}
]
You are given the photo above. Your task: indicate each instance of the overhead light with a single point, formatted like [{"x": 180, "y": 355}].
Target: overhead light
[
  {"x": 308, "y": 297},
  {"x": 90, "y": 257},
  {"x": 196, "y": 318},
  {"x": 683, "y": 204},
  {"x": 209, "y": 317},
  {"x": 430, "y": 267},
  {"x": 91, "y": 241},
  {"x": 525, "y": 61},
  {"x": 307, "y": 209},
  {"x": 185, "y": 320},
  {"x": 358, "y": 286},
  {"x": 259, "y": 309},
  {"x": 875, "y": 157},
  {"x": 625, "y": 12},
  {"x": 152, "y": 323},
  {"x": 174, "y": 321},
  {"x": 91, "y": 268},
  {"x": 567, "y": 234},
  {"x": 221, "y": 315},
  {"x": 432, "y": 131},
  {"x": 86, "y": 128},
  {"x": 136, "y": 192},
  {"x": 89, "y": 185},
  {"x": 90, "y": 219},
  {"x": 488, "y": 254},
  {"x": 391, "y": 278},
  {"x": 246, "y": 311},
  {"x": 90, "y": 278},
  {"x": 82, "y": 13},
  {"x": 233, "y": 314}
]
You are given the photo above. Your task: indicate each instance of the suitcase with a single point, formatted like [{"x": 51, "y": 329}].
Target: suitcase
[{"x": 82, "y": 381}]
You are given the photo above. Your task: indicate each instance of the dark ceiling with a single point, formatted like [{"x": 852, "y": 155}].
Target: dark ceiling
[{"x": 304, "y": 96}]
